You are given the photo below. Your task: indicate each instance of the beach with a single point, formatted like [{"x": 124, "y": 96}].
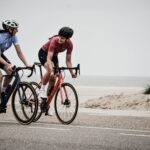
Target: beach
[
  {"x": 113, "y": 98},
  {"x": 111, "y": 93}
]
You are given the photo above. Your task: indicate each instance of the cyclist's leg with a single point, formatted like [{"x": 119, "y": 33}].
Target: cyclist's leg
[
  {"x": 2, "y": 107},
  {"x": 7, "y": 79},
  {"x": 1, "y": 76},
  {"x": 51, "y": 84},
  {"x": 52, "y": 78},
  {"x": 43, "y": 59},
  {"x": 42, "y": 91},
  {"x": 5, "y": 86}
]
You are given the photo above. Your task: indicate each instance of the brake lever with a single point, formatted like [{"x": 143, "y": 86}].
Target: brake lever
[
  {"x": 14, "y": 68},
  {"x": 77, "y": 69},
  {"x": 32, "y": 69}
]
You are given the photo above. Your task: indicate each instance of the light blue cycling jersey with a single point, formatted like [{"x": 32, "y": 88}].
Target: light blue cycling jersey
[{"x": 6, "y": 40}]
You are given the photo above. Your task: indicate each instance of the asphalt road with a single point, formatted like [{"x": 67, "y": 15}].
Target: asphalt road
[{"x": 90, "y": 131}]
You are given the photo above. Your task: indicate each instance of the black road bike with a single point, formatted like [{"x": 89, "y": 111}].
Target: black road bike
[{"x": 24, "y": 98}]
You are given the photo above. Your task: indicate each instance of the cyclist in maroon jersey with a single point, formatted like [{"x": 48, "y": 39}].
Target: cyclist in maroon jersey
[{"x": 48, "y": 58}]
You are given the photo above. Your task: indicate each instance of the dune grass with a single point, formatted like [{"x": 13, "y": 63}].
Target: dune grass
[{"x": 147, "y": 90}]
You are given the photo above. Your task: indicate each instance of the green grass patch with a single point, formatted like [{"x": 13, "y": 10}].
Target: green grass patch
[{"x": 147, "y": 90}]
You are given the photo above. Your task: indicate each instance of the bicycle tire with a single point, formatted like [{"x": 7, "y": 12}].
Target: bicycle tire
[
  {"x": 36, "y": 87},
  {"x": 22, "y": 97},
  {"x": 65, "y": 107}
]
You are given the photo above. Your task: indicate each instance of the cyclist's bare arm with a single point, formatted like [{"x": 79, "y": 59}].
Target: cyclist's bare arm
[
  {"x": 8, "y": 67},
  {"x": 2, "y": 61},
  {"x": 21, "y": 56},
  {"x": 69, "y": 65}
]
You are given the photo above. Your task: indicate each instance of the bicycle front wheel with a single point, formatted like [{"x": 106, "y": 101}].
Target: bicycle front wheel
[
  {"x": 24, "y": 103},
  {"x": 37, "y": 87},
  {"x": 66, "y": 103}
]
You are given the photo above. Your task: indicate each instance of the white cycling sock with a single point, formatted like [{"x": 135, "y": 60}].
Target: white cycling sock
[{"x": 43, "y": 87}]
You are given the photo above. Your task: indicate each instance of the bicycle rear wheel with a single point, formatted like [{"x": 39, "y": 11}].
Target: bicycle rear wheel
[
  {"x": 24, "y": 103},
  {"x": 66, "y": 111},
  {"x": 36, "y": 87}
]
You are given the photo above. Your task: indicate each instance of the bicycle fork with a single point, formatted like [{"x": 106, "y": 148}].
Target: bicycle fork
[
  {"x": 21, "y": 96},
  {"x": 64, "y": 97}
]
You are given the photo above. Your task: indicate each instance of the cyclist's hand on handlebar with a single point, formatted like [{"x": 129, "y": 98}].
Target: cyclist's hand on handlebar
[
  {"x": 74, "y": 75},
  {"x": 30, "y": 66},
  {"x": 8, "y": 69}
]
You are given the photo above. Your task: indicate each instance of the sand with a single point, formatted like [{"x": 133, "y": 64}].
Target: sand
[{"x": 114, "y": 98}]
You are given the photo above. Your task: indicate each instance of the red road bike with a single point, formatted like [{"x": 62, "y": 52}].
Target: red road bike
[{"x": 64, "y": 94}]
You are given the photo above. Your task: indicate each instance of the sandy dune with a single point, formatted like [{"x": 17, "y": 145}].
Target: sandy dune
[{"x": 118, "y": 99}]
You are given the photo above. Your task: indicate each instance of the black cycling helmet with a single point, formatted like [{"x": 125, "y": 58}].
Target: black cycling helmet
[{"x": 66, "y": 32}]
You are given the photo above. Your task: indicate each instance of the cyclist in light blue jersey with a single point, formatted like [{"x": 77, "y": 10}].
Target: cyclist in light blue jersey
[{"x": 7, "y": 39}]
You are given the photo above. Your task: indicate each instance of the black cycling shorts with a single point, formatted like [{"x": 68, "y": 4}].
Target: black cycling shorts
[
  {"x": 43, "y": 58},
  {"x": 6, "y": 59}
]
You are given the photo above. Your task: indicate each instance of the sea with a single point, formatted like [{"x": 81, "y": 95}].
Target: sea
[
  {"x": 104, "y": 81},
  {"x": 112, "y": 81}
]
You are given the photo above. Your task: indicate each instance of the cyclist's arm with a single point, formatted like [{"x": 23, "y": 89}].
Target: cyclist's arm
[
  {"x": 8, "y": 67},
  {"x": 20, "y": 55},
  {"x": 69, "y": 63},
  {"x": 2, "y": 61}
]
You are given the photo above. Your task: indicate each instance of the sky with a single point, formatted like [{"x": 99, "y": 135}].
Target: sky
[{"x": 111, "y": 37}]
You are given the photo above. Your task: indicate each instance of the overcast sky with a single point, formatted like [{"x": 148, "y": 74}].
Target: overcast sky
[{"x": 112, "y": 37}]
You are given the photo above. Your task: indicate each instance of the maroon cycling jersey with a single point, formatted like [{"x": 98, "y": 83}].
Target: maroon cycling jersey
[{"x": 53, "y": 46}]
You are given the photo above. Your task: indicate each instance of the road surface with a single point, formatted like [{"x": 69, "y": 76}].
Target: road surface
[{"x": 92, "y": 130}]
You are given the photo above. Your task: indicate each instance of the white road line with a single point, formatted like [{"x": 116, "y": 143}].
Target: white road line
[
  {"x": 85, "y": 127},
  {"x": 49, "y": 128},
  {"x": 118, "y": 114},
  {"x": 100, "y": 128},
  {"x": 142, "y": 135},
  {"x": 11, "y": 121}
]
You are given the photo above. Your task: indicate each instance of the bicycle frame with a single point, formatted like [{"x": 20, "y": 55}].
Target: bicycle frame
[
  {"x": 15, "y": 83},
  {"x": 58, "y": 83},
  {"x": 56, "y": 87}
]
